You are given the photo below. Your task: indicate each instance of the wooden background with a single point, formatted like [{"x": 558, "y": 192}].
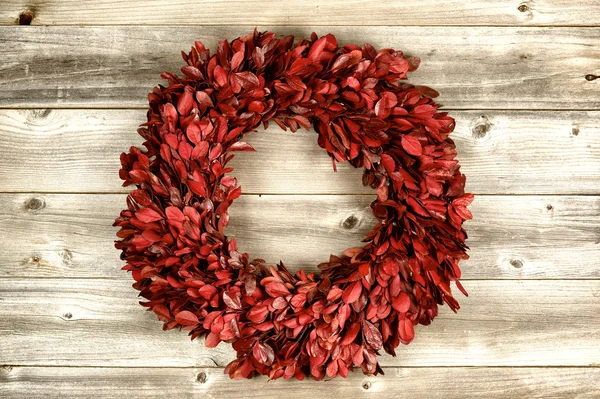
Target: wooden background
[{"x": 520, "y": 78}]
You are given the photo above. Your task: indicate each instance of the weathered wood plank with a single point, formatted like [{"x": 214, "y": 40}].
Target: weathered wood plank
[
  {"x": 446, "y": 382},
  {"x": 502, "y": 152},
  {"x": 473, "y": 67},
  {"x": 298, "y": 12},
  {"x": 525, "y": 237},
  {"x": 90, "y": 322}
]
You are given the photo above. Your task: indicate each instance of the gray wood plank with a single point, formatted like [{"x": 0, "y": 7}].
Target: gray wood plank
[
  {"x": 55, "y": 235},
  {"x": 440, "y": 382},
  {"x": 89, "y": 322},
  {"x": 298, "y": 12},
  {"x": 473, "y": 67},
  {"x": 501, "y": 152}
]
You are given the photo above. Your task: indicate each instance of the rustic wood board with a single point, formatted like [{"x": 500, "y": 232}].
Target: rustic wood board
[
  {"x": 78, "y": 151},
  {"x": 98, "y": 322},
  {"x": 511, "y": 237},
  {"x": 440, "y": 382},
  {"x": 513, "y": 73},
  {"x": 299, "y": 12},
  {"x": 473, "y": 67}
]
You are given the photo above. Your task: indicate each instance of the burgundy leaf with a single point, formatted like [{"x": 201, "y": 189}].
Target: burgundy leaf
[
  {"x": 186, "y": 318},
  {"x": 406, "y": 330},
  {"x": 185, "y": 104},
  {"x": 247, "y": 80},
  {"x": 372, "y": 335},
  {"x": 220, "y": 75},
  {"x": 352, "y": 292},
  {"x": 412, "y": 145},
  {"x": 241, "y": 146},
  {"x": 401, "y": 303},
  {"x": 148, "y": 215}
]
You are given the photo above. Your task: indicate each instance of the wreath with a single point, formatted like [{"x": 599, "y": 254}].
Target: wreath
[{"x": 192, "y": 275}]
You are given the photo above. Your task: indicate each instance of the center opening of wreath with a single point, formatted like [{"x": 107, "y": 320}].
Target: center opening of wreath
[{"x": 294, "y": 208}]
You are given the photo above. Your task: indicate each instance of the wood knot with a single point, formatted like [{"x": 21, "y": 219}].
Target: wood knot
[
  {"x": 66, "y": 257},
  {"x": 523, "y": 8},
  {"x": 68, "y": 315},
  {"x": 201, "y": 377},
  {"x": 575, "y": 131},
  {"x": 25, "y": 17},
  {"x": 37, "y": 114},
  {"x": 516, "y": 263},
  {"x": 481, "y": 127},
  {"x": 350, "y": 222},
  {"x": 34, "y": 204},
  {"x": 366, "y": 385},
  {"x": 589, "y": 77}
]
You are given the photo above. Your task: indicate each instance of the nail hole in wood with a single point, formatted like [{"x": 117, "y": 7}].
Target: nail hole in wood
[
  {"x": 366, "y": 385},
  {"x": 201, "y": 377},
  {"x": 350, "y": 222},
  {"x": 35, "y": 204},
  {"x": 523, "y": 8},
  {"x": 549, "y": 207},
  {"x": 68, "y": 315},
  {"x": 516, "y": 263},
  {"x": 25, "y": 18},
  {"x": 589, "y": 77}
]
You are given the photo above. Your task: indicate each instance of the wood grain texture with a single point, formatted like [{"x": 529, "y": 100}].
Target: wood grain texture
[
  {"x": 501, "y": 152},
  {"x": 90, "y": 322},
  {"x": 442, "y": 382},
  {"x": 524, "y": 237},
  {"x": 298, "y": 12},
  {"x": 513, "y": 73},
  {"x": 473, "y": 67}
]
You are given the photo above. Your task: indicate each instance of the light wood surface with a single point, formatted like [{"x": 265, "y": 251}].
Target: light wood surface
[
  {"x": 299, "y": 12},
  {"x": 472, "y": 67},
  {"x": 45, "y": 150},
  {"x": 511, "y": 237},
  {"x": 98, "y": 322},
  {"x": 439, "y": 382},
  {"x": 518, "y": 76}
]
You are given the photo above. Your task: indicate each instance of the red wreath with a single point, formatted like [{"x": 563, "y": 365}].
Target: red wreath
[{"x": 283, "y": 325}]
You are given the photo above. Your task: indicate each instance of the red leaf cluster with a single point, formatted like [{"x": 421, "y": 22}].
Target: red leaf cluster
[{"x": 172, "y": 234}]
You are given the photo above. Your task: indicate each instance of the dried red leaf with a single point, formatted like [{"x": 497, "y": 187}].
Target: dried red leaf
[
  {"x": 412, "y": 145},
  {"x": 352, "y": 292},
  {"x": 186, "y": 318},
  {"x": 372, "y": 335},
  {"x": 185, "y": 104},
  {"x": 401, "y": 303},
  {"x": 241, "y": 146},
  {"x": 406, "y": 330},
  {"x": 148, "y": 215},
  {"x": 247, "y": 80},
  {"x": 212, "y": 340},
  {"x": 220, "y": 75}
]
